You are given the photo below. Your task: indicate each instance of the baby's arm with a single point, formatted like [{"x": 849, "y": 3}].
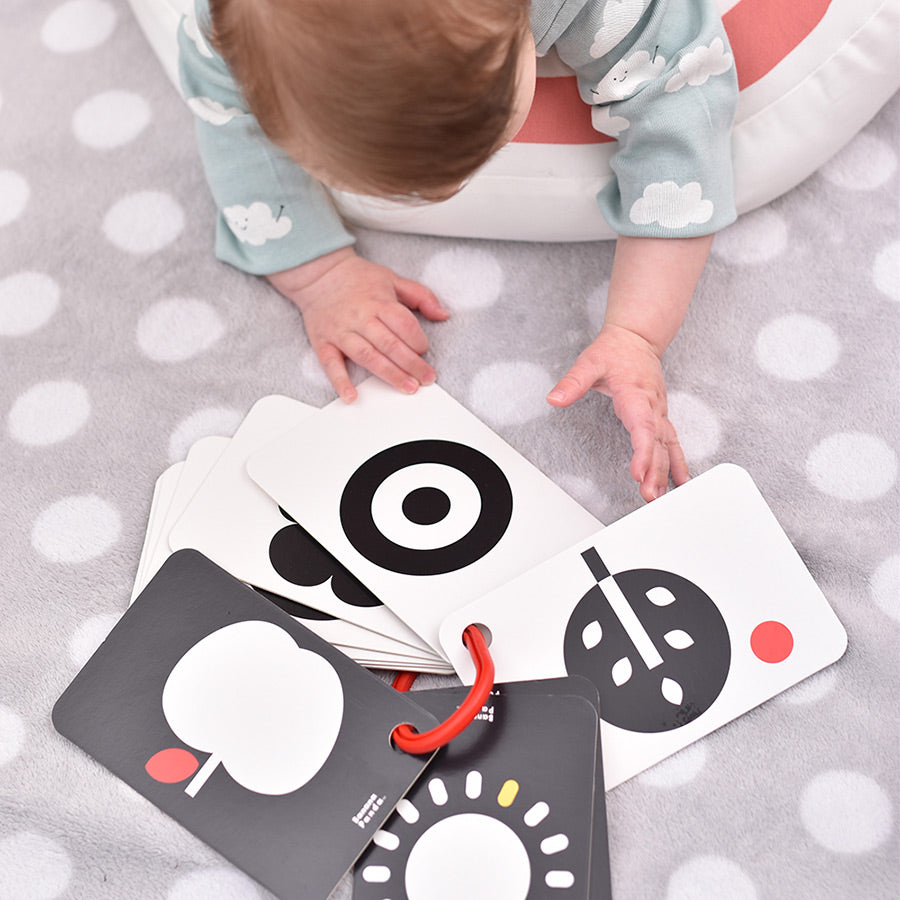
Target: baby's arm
[
  {"x": 275, "y": 218},
  {"x": 667, "y": 92},
  {"x": 356, "y": 309},
  {"x": 651, "y": 286}
]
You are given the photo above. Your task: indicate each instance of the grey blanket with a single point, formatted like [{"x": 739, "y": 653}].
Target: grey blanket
[{"x": 122, "y": 341}]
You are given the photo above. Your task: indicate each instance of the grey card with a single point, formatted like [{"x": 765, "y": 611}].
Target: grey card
[{"x": 256, "y": 735}]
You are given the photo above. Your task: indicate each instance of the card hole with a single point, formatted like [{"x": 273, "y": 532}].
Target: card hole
[
  {"x": 392, "y": 743},
  {"x": 486, "y": 632}
]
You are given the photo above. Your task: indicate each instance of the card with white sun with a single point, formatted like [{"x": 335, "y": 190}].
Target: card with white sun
[
  {"x": 418, "y": 498},
  {"x": 494, "y": 817},
  {"x": 237, "y": 525},
  {"x": 685, "y": 614},
  {"x": 256, "y": 735}
]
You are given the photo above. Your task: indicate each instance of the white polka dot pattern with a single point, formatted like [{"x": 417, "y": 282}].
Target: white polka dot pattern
[
  {"x": 12, "y": 734},
  {"x": 34, "y": 866},
  {"x": 812, "y": 690},
  {"x": 846, "y": 812},
  {"x": 865, "y": 164},
  {"x": 214, "y": 884},
  {"x": 852, "y": 465},
  {"x": 123, "y": 342},
  {"x": 797, "y": 347},
  {"x": 110, "y": 119},
  {"x": 177, "y": 329},
  {"x": 49, "y": 412},
  {"x": 76, "y": 529},
  {"x": 144, "y": 222},
  {"x": 698, "y": 427},
  {"x": 212, "y": 420},
  {"x": 14, "y": 194},
  {"x": 510, "y": 393},
  {"x": 28, "y": 301},
  {"x": 885, "y": 587},
  {"x": 78, "y": 25},
  {"x": 756, "y": 238},
  {"x": 886, "y": 273},
  {"x": 711, "y": 878},
  {"x": 89, "y": 636},
  {"x": 677, "y": 770},
  {"x": 464, "y": 278}
]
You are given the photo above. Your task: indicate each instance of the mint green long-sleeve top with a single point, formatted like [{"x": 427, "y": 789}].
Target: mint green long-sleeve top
[{"x": 658, "y": 75}]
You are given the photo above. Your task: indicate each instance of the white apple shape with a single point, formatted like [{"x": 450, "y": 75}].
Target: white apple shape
[{"x": 266, "y": 709}]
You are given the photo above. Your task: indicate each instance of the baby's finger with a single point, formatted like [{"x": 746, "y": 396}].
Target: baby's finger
[
  {"x": 365, "y": 353},
  {"x": 656, "y": 478},
  {"x": 574, "y": 384},
  {"x": 417, "y": 296},
  {"x": 334, "y": 365},
  {"x": 677, "y": 463},
  {"x": 404, "y": 325},
  {"x": 393, "y": 346}
]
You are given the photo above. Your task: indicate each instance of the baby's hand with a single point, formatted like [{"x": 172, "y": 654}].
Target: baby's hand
[
  {"x": 624, "y": 366},
  {"x": 356, "y": 309}
]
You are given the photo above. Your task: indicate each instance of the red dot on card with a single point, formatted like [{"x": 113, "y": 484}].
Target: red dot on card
[
  {"x": 172, "y": 765},
  {"x": 771, "y": 642}
]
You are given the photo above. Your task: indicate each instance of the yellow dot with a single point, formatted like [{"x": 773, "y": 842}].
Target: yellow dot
[{"x": 508, "y": 792}]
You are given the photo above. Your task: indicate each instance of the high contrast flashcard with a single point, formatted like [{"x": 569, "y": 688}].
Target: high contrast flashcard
[
  {"x": 260, "y": 738},
  {"x": 163, "y": 489},
  {"x": 237, "y": 525},
  {"x": 425, "y": 504},
  {"x": 685, "y": 614},
  {"x": 512, "y": 809}
]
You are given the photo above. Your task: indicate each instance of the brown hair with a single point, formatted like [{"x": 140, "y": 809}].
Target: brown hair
[{"x": 397, "y": 98}]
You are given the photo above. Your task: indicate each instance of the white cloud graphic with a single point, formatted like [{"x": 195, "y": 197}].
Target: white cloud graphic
[
  {"x": 606, "y": 123},
  {"x": 212, "y": 111},
  {"x": 672, "y": 206},
  {"x": 619, "y": 17},
  {"x": 255, "y": 224},
  {"x": 192, "y": 30},
  {"x": 627, "y": 75},
  {"x": 698, "y": 66}
]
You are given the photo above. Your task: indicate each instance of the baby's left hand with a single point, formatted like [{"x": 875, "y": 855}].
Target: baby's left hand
[{"x": 624, "y": 366}]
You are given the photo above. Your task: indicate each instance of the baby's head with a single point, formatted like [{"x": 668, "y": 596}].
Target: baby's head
[{"x": 386, "y": 97}]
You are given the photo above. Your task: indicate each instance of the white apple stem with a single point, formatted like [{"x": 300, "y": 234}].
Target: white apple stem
[{"x": 203, "y": 773}]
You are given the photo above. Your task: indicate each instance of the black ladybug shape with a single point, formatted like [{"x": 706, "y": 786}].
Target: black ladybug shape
[{"x": 683, "y": 632}]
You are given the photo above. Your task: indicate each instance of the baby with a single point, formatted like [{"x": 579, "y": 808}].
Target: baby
[{"x": 405, "y": 99}]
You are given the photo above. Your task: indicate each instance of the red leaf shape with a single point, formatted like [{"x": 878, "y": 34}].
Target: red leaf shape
[{"x": 172, "y": 765}]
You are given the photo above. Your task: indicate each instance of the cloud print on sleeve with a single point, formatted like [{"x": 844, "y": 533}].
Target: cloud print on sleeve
[
  {"x": 255, "y": 224},
  {"x": 627, "y": 75},
  {"x": 672, "y": 206},
  {"x": 606, "y": 123},
  {"x": 698, "y": 66},
  {"x": 192, "y": 30},
  {"x": 619, "y": 17},
  {"x": 212, "y": 111}
]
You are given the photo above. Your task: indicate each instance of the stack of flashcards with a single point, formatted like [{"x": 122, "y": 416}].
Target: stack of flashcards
[
  {"x": 408, "y": 508},
  {"x": 312, "y": 541}
]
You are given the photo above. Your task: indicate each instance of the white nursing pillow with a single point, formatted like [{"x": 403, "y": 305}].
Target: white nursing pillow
[{"x": 812, "y": 73}]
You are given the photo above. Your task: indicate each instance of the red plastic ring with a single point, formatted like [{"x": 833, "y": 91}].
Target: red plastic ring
[{"x": 410, "y": 740}]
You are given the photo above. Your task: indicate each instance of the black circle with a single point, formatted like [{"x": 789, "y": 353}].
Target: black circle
[
  {"x": 490, "y": 526},
  {"x": 700, "y": 669},
  {"x": 426, "y": 505}
]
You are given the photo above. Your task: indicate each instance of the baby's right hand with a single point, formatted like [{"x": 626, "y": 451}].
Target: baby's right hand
[{"x": 359, "y": 310}]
